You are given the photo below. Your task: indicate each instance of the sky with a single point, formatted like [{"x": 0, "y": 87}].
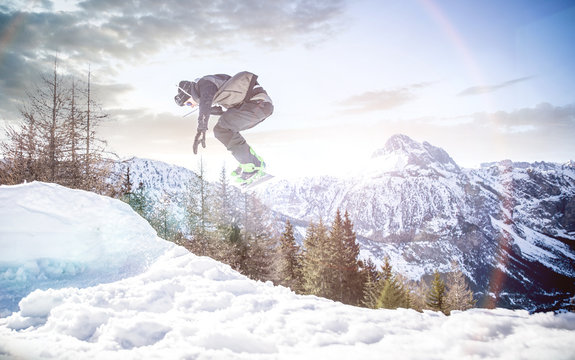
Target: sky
[{"x": 485, "y": 81}]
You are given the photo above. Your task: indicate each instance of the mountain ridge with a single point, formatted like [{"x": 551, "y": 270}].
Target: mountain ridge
[{"x": 424, "y": 211}]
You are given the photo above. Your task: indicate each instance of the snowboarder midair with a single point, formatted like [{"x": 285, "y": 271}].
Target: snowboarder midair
[{"x": 246, "y": 104}]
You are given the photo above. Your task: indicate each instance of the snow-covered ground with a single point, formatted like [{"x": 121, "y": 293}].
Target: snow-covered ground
[{"x": 113, "y": 290}]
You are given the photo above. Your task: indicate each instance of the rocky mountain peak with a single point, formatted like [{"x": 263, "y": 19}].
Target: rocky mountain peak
[{"x": 401, "y": 153}]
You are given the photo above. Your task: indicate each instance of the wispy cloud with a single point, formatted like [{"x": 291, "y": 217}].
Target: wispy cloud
[
  {"x": 110, "y": 35},
  {"x": 478, "y": 90},
  {"x": 543, "y": 118},
  {"x": 382, "y": 99}
]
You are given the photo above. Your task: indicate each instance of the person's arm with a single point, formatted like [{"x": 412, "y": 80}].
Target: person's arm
[{"x": 206, "y": 90}]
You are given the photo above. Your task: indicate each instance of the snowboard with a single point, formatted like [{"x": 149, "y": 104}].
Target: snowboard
[{"x": 257, "y": 182}]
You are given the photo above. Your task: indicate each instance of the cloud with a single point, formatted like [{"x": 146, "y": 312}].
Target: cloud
[
  {"x": 382, "y": 99},
  {"x": 111, "y": 34},
  {"x": 478, "y": 90},
  {"x": 541, "y": 118}
]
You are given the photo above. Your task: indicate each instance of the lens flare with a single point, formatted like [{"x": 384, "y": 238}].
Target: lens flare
[{"x": 498, "y": 276}]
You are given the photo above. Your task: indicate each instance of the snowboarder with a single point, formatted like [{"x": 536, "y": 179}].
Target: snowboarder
[{"x": 246, "y": 103}]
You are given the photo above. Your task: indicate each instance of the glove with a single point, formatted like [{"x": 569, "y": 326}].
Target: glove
[{"x": 200, "y": 139}]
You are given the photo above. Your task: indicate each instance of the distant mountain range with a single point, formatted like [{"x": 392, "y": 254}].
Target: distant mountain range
[{"x": 510, "y": 226}]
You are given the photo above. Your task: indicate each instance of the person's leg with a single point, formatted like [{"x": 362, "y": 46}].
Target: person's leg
[{"x": 234, "y": 120}]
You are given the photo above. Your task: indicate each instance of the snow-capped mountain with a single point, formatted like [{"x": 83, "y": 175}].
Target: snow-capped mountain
[
  {"x": 402, "y": 154},
  {"x": 511, "y": 226},
  {"x": 156, "y": 176}
]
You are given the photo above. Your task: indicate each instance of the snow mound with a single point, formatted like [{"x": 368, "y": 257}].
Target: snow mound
[{"x": 53, "y": 237}]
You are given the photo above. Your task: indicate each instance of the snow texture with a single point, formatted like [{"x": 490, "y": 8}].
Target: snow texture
[
  {"x": 187, "y": 307},
  {"x": 55, "y": 237}
]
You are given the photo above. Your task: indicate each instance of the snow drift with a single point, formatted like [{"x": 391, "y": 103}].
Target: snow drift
[
  {"x": 51, "y": 236},
  {"x": 188, "y": 307}
]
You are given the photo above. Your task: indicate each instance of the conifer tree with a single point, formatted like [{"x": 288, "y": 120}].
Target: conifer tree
[
  {"x": 335, "y": 259},
  {"x": 436, "y": 295},
  {"x": 371, "y": 279},
  {"x": 140, "y": 201},
  {"x": 289, "y": 263},
  {"x": 234, "y": 251},
  {"x": 352, "y": 280},
  {"x": 375, "y": 282},
  {"x": 225, "y": 226},
  {"x": 196, "y": 202},
  {"x": 386, "y": 269},
  {"x": 418, "y": 298},
  {"x": 198, "y": 205},
  {"x": 458, "y": 295},
  {"x": 257, "y": 234},
  {"x": 393, "y": 294},
  {"x": 126, "y": 187},
  {"x": 161, "y": 218},
  {"x": 222, "y": 209},
  {"x": 315, "y": 272}
]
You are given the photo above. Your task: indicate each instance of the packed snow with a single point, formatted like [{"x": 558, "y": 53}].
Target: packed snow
[{"x": 114, "y": 290}]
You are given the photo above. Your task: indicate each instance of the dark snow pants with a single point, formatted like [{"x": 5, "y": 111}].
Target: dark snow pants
[{"x": 236, "y": 119}]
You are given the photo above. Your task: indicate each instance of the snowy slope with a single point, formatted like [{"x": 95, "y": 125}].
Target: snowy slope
[{"x": 188, "y": 307}]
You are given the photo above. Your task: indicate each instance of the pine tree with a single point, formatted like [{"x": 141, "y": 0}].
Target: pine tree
[
  {"x": 126, "y": 187},
  {"x": 335, "y": 259},
  {"x": 386, "y": 269},
  {"x": 418, "y": 298},
  {"x": 371, "y": 284},
  {"x": 288, "y": 260},
  {"x": 374, "y": 282},
  {"x": 234, "y": 251},
  {"x": 225, "y": 226},
  {"x": 223, "y": 209},
  {"x": 258, "y": 237},
  {"x": 140, "y": 201},
  {"x": 458, "y": 296},
  {"x": 352, "y": 280},
  {"x": 161, "y": 218},
  {"x": 436, "y": 295},
  {"x": 196, "y": 202},
  {"x": 315, "y": 272},
  {"x": 393, "y": 294}
]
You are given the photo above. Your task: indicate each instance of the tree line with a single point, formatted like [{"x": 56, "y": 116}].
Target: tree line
[
  {"x": 328, "y": 265},
  {"x": 55, "y": 139}
]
